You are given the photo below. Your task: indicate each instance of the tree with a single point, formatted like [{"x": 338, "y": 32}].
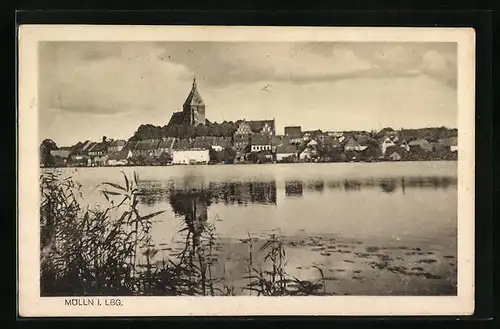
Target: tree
[
  {"x": 46, "y": 158},
  {"x": 214, "y": 155},
  {"x": 165, "y": 158},
  {"x": 229, "y": 155}
]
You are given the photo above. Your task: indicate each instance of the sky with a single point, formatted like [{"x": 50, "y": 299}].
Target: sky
[{"x": 92, "y": 89}]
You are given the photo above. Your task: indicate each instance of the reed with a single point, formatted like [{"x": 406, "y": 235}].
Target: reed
[{"x": 109, "y": 250}]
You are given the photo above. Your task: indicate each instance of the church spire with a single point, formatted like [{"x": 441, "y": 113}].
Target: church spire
[{"x": 194, "y": 97}]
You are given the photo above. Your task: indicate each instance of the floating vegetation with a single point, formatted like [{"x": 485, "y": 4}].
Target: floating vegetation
[{"x": 427, "y": 261}]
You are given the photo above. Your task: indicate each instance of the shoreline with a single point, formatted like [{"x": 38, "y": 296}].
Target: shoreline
[{"x": 240, "y": 164}]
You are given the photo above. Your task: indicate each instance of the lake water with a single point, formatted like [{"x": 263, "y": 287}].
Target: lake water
[{"x": 373, "y": 228}]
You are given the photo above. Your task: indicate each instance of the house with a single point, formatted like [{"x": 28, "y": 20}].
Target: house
[
  {"x": 183, "y": 144},
  {"x": 404, "y": 145},
  {"x": 61, "y": 155},
  {"x": 438, "y": 146},
  {"x": 260, "y": 142},
  {"x": 277, "y": 141},
  {"x": 202, "y": 143},
  {"x": 395, "y": 156},
  {"x": 452, "y": 143},
  {"x": 98, "y": 154},
  {"x": 147, "y": 147},
  {"x": 423, "y": 143},
  {"x": 387, "y": 142},
  {"x": 116, "y": 146},
  {"x": 266, "y": 127},
  {"x": 284, "y": 152},
  {"x": 220, "y": 143},
  {"x": 190, "y": 156},
  {"x": 242, "y": 136},
  {"x": 294, "y": 133},
  {"x": 308, "y": 153},
  {"x": 331, "y": 142},
  {"x": 395, "y": 153},
  {"x": 335, "y": 134},
  {"x": 312, "y": 143},
  {"x": 306, "y": 136},
  {"x": 119, "y": 158},
  {"x": 166, "y": 145},
  {"x": 353, "y": 145},
  {"x": 86, "y": 147}
]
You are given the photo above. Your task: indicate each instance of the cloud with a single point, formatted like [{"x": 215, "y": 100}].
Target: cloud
[
  {"x": 223, "y": 64},
  {"x": 108, "y": 79},
  {"x": 117, "y": 77}
]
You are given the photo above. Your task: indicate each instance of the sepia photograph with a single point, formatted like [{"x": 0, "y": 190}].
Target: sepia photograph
[{"x": 309, "y": 165}]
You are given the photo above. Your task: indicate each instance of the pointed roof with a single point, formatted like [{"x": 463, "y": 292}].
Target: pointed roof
[{"x": 194, "y": 97}]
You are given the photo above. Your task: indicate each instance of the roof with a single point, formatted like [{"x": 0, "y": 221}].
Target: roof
[
  {"x": 395, "y": 149},
  {"x": 258, "y": 126},
  {"x": 351, "y": 142},
  {"x": 395, "y": 154},
  {"x": 260, "y": 139},
  {"x": 293, "y": 131},
  {"x": 277, "y": 140},
  {"x": 87, "y": 145},
  {"x": 122, "y": 155},
  {"x": 194, "y": 97},
  {"x": 243, "y": 128},
  {"x": 286, "y": 149},
  {"x": 60, "y": 153},
  {"x": 130, "y": 145},
  {"x": 148, "y": 144},
  {"x": 118, "y": 142},
  {"x": 177, "y": 118},
  {"x": 182, "y": 144},
  {"x": 98, "y": 147},
  {"x": 222, "y": 141},
  {"x": 419, "y": 142},
  {"x": 330, "y": 141},
  {"x": 167, "y": 143},
  {"x": 202, "y": 143},
  {"x": 453, "y": 141}
]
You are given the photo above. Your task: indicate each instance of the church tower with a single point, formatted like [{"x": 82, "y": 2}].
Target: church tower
[{"x": 194, "y": 107}]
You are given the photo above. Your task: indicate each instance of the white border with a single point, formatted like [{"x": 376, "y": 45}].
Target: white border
[{"x": 30, "y": 302}]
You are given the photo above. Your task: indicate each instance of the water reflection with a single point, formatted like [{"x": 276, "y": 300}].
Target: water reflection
[
  {"x": 195, "y": 194},
  {"x": 294, "y": 188},
  {"x": 193, "y": 206}
]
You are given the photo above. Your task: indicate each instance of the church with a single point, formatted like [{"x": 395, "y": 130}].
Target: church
[{"x": 193, "y": 110}]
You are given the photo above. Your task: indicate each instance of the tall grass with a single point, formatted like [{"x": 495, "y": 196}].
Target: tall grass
[
  {"x": 271, "y": 277},
  {"x": 109, "y": 250}
]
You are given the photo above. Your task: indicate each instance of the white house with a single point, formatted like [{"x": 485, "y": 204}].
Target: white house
[
  {"x": 190, "y": 156},
  {"x": 119, "y": 158},
  {"x": 387, "y": 143},
  {"x": 312, "y": 143},
  {"x": 353, "y": 145},
  {"x": 260, "y": 142}
]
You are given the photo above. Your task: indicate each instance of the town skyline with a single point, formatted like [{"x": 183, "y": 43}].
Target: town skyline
[{"x": 89, "y": 90}]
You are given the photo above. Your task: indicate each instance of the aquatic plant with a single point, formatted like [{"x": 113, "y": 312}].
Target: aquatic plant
[
  {"x": 89, "y": 251},
  {"x": 275, "y": 280}
]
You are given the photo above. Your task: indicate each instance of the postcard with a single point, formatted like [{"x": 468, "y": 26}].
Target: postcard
[{"x": 225, "y": 170}]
